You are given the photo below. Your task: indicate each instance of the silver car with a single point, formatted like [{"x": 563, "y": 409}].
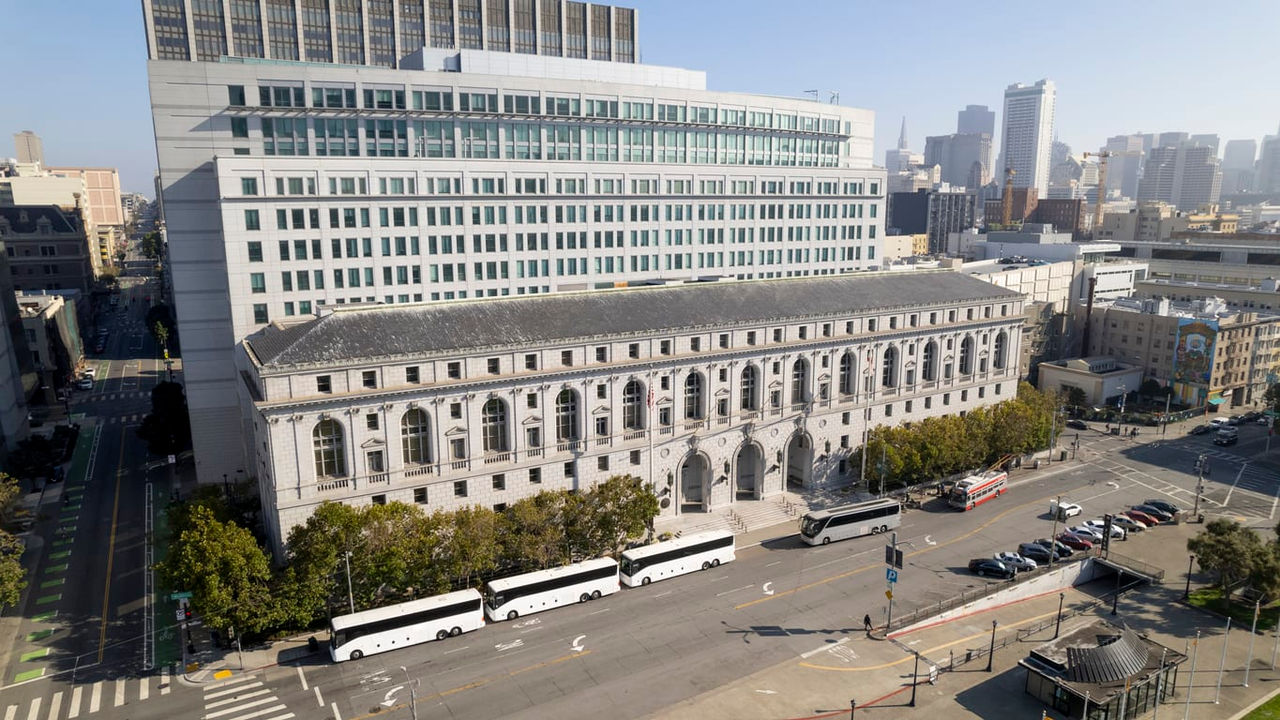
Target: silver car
[
  {"x": 1016, "y": 561},
  {"x": 1117, "y": 532}
]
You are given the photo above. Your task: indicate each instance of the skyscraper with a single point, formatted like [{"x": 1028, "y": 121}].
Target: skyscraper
[
  {"x": 1238, "y": 166},
  {"x": 1125, "y": 164},
  {"x": 976, "y": 119},
  {"x": 28, "y": 147},
  {"x": 1185, "y": 175},
  {"x": 965, "y": 158},
  {"x": 1267, "y": 179},
  {"x": 1027, "y": 135},
  {"x": 468, "y": 154},
  {"x": 901, "y": 158}
]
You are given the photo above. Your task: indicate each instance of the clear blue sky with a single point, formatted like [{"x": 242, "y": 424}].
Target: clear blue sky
[{"x": 75, "y": 70}]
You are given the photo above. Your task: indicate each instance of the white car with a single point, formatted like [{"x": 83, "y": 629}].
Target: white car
[
  {"x": 86, "y": 383},
  {"x": 1085, "y": 531},
  {"x": 89, "y": 372},
  {"x": 1117, "y": 532},
  {"x": 1128, "y": 523},
  {"x": 1016, "y": 561},
  {"x": 1066, "y": 509}
]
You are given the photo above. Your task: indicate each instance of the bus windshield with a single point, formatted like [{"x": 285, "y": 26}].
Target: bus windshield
[{"x": 811, "y": 526}]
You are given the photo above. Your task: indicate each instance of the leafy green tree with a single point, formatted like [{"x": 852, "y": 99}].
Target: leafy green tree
[
  {"x": 534, "y": 534},
  {"x": 1272, "y": 396},
  {"x": 225, "y": 570},
  {"x": 1150, "y": 388},
  {"x": 1228, "y": 550},
  {"x": 12, "y": 574},
  {"x": 312, "y": 582},
  {"x": 470, "y": 547},
  {"x": 623, "y": 507},
  {"x": 1076, "y": 399}
]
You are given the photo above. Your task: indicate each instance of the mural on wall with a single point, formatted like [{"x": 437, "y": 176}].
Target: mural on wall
[{"x": 1193, "y": 356}]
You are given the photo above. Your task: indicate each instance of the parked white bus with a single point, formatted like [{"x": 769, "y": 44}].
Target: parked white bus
[
  {"x": 846, "y": 521},
  {"x": 509, "y": 598},
  {"x": 659, "y": 561},
  {"x": 367, "y": 632}
]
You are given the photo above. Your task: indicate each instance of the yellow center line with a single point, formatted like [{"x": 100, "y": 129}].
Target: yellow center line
[
  {"x": 473, "y": 684},
  {"x": 111, "y": 549},
  {"x": 943, "y": 646},
  {"x": 865, "y": 568}
]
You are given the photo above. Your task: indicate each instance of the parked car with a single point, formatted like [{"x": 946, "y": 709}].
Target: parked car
[
  {"x": 1064, "y": 511},
  {"x": 1075, "y": 542},
  {"x": 1087, "y": 532},
  {"x": 90, "y": 372},
  {"x": 1145, "y": 519},
  {"x": 1016, "y": 561},
  {"x": 1201, "y": 429},
  {"x": 1154, "y": 512},
  {"x": 1128, "y": 523},
  {"x": 1226, "y": 436},
  {"x": 1164, "y": 505},
  {"x": 1077, "y": 425},
  {"x": 85, "y": 383},
  {"x": 1036, "y": 552},
  {"x": 984, "y": 567},
  {"x": 1264, "y": 420},
  {"x": 1250, "y": 416},
  {"x": 1117, "y": 531},
  {"x": 1062, "y": 550}
]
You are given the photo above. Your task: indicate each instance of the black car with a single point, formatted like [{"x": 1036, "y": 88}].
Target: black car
[
  {"x": 1034, "y": 551},
  {"x": 1077, "y": 425},
  {"x": 991, "y": 567},
  {"x": 1155, "y": 512},
  {"x": 1062, "y": 550},
  {"x": 1163, "y": 505},
  {"x": 1201, "y": 429},
  {"x": 1251, "y": 416}
]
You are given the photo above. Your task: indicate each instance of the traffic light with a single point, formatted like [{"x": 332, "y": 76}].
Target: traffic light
[{"x": 186, "y": 610}]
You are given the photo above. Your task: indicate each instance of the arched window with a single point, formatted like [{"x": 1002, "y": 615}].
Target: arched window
[
  {"x": 633, "y": 402},
  {"x": 415, "y": 437},
  {"x": 330, "y": 450},
  {"x": 848, "y": 383},
  {"x": 799, "y": 381},
  {"x": 493, "y": 421},
  {"x": 750, "y": 389},
  {"x": 966, "y": 356},
  {"x": 889, "y": 368},
  {"x": 1002, "y": 349},
  {"x": 693, "y": 396},
  {"x": 930, "y": 361},
  {"x": 566, "y": 416}
]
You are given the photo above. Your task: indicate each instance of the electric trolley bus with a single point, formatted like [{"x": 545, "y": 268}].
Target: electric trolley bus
[
  {"x": 974, "y": 490},
  {"x": 368, "y": 632},
  {"x": 667, "y": 559},
  {"x": 509, "y": 598},
  {"x": 846, "y": 521}
]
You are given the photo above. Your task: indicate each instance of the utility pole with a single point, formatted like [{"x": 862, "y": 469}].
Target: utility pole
[
  {"x": 1191, "y": 681},
  {"x": 1120, "y": 424},
  {"x": 1053, "y": 535},
  {"x": 1053, "y": 432},
  {"x": 346, "y": 556},
  {"x": 991, "y": 654},
  {"x": 1222, "y": 664},
  {"x": 1257, "y": 605},
  {"x": 1200, "y": 467}
]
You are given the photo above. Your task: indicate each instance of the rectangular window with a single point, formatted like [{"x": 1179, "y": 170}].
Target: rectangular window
[
  {"x": 494, "y": 366},
  {"x": 535, "y": 476},
  {"x": 371, "y": 421},
  {"x": 569, "y": 469},
  {"x": 411, "y": 374},
  {"x": 602, "y": 463},
  {"x": 323, "y": 384},
  {"x": 251, "y": 220},
  {"x": 248, "y": 186},
  {"x": 369, "y": 378},
  {"x": 566, "y": 358},
  {"x": 635, "y": 457},
  {"x": 458, "y": 448},
  {"x": 460, "y": 488},
  {"x": 260, "y": 314},
  {"x": 420, "y": 495},
  {"x": 499, "y": 482},
  {"x": 454, "y": 370},
  {"x": 531, "y": 361}
]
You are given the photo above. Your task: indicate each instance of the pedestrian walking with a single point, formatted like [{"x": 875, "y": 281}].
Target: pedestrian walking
[{"x": 866, "y": 623}]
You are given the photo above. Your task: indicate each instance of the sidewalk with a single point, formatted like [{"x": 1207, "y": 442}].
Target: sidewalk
[{"x": 848, "y": 665}]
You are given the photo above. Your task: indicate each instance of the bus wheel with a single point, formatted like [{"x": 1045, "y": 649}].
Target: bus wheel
[
  {"x": 874, "y": 529},
  {"x": 455, "y": 632},
  {"x": 826, "y": 541},
  {"x": 715, "y": 562},
  {"x": 644, "y": 581},
  {"x": 884, "y": 528},
  {"x": 585, "y": 597},
  {"x": 513, "y": 615},
  {"x": 356, "y": 654},
  {"x": 442, "y": 634},
  {"x": 706, "y": 565},
  {"x": 595, "y": 594}
]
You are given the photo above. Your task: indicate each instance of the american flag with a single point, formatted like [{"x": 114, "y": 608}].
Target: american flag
[{"x": 650, "y": 400}]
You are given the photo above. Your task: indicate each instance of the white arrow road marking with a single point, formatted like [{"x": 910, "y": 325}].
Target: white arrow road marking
[
  {"x": 526, "y": 623},
  {"x": 767, "y": 692},
  {"x": 928, "y": 540},
  {"x": 767, "y": 588},
  {"x": 577, "y": 643},
  {"x": 389, "y": 698},
  {"x": 500, "y": 647}
]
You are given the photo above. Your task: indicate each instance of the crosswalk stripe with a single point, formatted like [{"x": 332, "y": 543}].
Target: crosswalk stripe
[
  {"x": 11, "y": 712},
  {"x": 95, "y": 698},
  {"x": 35, "y": 709},
  {"x": 258, "y": 713},
  {"x": 221, "y": 686},
  {"x": 231, "y": 691},
  {"x": 243, "y": 706},
  {"x": 120, "y": 692},
  {"x": 164, "y": 680},
  {"x": 55, "y": 705},
  {"x": 286, "y": 716},
  {"x": 73, "y": 709},
  {"x": 236, "y": 698},
  {"x": 144, "y": 689}
]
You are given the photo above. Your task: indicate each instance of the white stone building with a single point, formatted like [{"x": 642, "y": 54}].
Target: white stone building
[{"x": 713, "y": 392}]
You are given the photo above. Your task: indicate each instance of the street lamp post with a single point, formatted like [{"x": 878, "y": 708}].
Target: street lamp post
[
  {"x": 413, "y": 705},
  {"x": 992, "y": 652},
  {"x": 1200, "y": 468},
  {"x": 1120, "y": 424},
  {"x": 1191, "y": 559},
  {"x": 351, "y": 598}
]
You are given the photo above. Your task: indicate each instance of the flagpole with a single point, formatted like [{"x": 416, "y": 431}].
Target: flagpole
[{"x": 648, "y": 421}]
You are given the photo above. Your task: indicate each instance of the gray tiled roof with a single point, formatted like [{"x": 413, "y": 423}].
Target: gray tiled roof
[
  {"x": 23, "y": 219},
  {"x": 351, "y": 334}
]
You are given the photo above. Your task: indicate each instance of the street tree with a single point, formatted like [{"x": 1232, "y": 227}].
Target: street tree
[
  {"x": 1227, "y": 550},
  {"x": 227, "y": 573},
  {"x": 623, "y": 507},
  {"x": 1075, "y": 398},
  {"x": 1272, "y": 396},
  {"x": 534, "y": 534},
  {"x": 12, "y": 574},
  {"x": 314, "y": 579},
  {"x": 167, "y": 429},
  {"x": 470, "y": 548}
]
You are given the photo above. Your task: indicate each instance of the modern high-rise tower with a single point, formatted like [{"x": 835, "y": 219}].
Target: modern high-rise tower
[
  {"x": 975, "y": 120},
  {"x": 315, "y": 153},
  {"x": 1027, "y": 136},
  {"x": 1238, "y": 165}
]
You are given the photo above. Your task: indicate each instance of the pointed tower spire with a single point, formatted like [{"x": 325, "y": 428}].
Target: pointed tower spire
[{"x": 902, "y": 136}]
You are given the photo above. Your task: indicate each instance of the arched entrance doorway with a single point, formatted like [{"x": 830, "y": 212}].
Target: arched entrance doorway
[
  {"x": 799, "y": 460},
  {"x": 695, "y": 479},
  {"x": 750, "y": 475}
]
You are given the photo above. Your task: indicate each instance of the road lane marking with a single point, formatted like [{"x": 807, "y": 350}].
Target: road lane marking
[
  {"x": 164, "y": 680},
  {"x": 120, "y": 686},
  {"x": 824, "y": 648},
  {"x": 319, "y": 700},
  {"x": 775, "y": 562},
  {"x": 11, "y": 712},
  {"x": 111, "y": 551},
  {"x": 241, "y": 698},
  {"x": 599, "y": 611},
  {"x": 35, "y": 709},
  {"x": 246, "y": 706},
  {"x": 660, "y": 595},
  {"x": 221, "y": 693},
  {"x": 73, "y": 709},
  {"x": 302, "y": 678},
  {"x": 95, "y": 698},
  {"x": 259, "y": 713},
  {"x": 1227, "y": 501},
  {"x": 454, "y": 650},
  {"x": 726, "y": 592},
  {"x": 336, "y": 715},
  {"x": 55, "y": 705},
  {"x": 144, "y": 689}
]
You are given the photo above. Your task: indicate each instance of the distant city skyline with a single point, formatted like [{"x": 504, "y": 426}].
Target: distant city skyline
[{"x": 96, "y": 113}]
